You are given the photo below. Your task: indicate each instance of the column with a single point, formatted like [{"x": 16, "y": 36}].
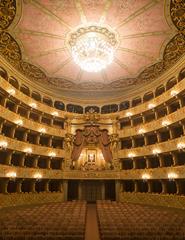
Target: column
[
  {"x": 32, "y": 185},
  {"x": 46, "y": 186},
  {"x": 134, "y": 163},
  {"x": 18, "y": 185},
  {"x": 164, "y": 186},
  {"x": 48, "y": 163},
  {"x": 65, "y": 185},
  {"x": 148, "y": 162},
  {"x": 22, "y": 159},
  {"x": 161, "y": 160},
  {"x": 4, "y": 185},
  {"x": 175, "y": 159},
  {"x": 136, "y": 186},
  {"x": 35, "y": 161},
  {"x": 8, "y": 158},
  {"x": 117, "y": 188},
  {"x": 149, "y": 182},
  {"x": 60, "y": 188},
  {"x": 179, "y": 186}
]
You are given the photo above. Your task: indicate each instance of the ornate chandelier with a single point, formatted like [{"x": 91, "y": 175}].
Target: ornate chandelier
[{"x": 92, "y": 47}]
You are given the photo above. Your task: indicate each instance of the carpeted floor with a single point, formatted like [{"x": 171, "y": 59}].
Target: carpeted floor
[{"x": 92, "y": 232}]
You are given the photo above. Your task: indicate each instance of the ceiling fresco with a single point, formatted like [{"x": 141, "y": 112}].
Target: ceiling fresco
[{"x": 151, "y": 37}]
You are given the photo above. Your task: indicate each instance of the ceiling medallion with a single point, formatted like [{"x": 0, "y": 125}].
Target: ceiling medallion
[{"x": 92, "y": 47}]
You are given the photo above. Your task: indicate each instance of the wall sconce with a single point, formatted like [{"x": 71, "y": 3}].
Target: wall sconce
[
  {"x": 131, "y": 155},
  {"x": 145, "y": 177},
  {"x": 141, "y": 131},
  {"x": 172, "y": 176},
  {"x": 37, "y": 176},
  {"x": 129, "y": 114},
  {"x": 174, "y": 93},
  {"x": 19, "y": 122},
  {"x": 165, "y": 123},
  {"x": 52, "y": 154},
  {"x": 151, "y": 105},
  {"x": 11, "y": 91},
  {"x": 28, "y": 150},
  {"x": 156, "y": 151},
  {"x": 11, "y": 175},
  {"x": 33, "y": 105},
  {"x": 3, "y": 144},
  {"x": 180, "y": 145},
  {"x": 42, "y": 130},
  {"x": 54, "y": 113}
]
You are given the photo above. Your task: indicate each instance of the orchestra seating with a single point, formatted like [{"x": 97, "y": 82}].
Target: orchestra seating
[
  {"x": 131, "y": 221},
  {"x": 65, "y": 221}
]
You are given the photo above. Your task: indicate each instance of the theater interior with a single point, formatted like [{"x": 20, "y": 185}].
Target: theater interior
[{"x": 92, "y": 131}]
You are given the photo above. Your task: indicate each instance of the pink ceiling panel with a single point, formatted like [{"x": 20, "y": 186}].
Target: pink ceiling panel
[
  {"x": 115, "y": 71},
  {"x": 69, "y": 71}
]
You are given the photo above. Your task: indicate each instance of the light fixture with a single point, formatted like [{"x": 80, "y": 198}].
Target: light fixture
[
  {"x": 180, "y": 145},
  {"x": 37, "y": 176},
  {"x": 52, "y": 154},
  {"x": 172, "y": 176},
  {"x": 11, "y": 91},
  {"x": 42, "y": 130},
  {"x": 19, "y": 122},
  {"x": 151, "y": 105},
  {"x": 174, "y": 93},
  {"x": 3, "y": 144},
  {"x": 28, "y": 150},
  {"x": 92, "y": 47},
  {"x": 11, "y": 174},
  {"x": 145, "y": 176},
  {"x": 156, "y": 151},
  {"x": 141, "y": 131},
  {"x": 33, "y": 105},
  {"x": 129, "y": 114},
  {"x": 165, "y": 123},
  {"x": 131, "y": 155},
  {"x": 55, "y": 113}
]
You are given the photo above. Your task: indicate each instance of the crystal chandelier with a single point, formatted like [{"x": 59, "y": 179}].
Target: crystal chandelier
[{"x": 92, "y": 47}]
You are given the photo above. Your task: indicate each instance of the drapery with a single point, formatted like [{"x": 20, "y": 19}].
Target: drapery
[{"x": 92, "y": 135}]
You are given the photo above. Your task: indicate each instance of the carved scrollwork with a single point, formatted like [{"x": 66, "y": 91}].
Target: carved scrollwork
[
  {"x": 32, "y": 71},
  {"x": 7, "y": 13},
  {"x": 9, "y": 48},
  {"x": 177, "y": 9}
]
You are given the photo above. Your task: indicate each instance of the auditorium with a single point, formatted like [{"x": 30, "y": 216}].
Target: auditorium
[{"x": 92, "y": 131}]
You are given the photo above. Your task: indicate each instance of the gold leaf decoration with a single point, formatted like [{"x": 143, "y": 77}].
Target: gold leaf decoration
[
  {"x": 177, "y": 8},
  {"x": 9, "y": 48},
  {"x": 7, "y": 13}
]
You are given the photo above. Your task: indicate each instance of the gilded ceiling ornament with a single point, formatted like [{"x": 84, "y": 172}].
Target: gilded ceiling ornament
[
  {"x": 178, "y": 13},
  {"x": 32, "y": 71},
  {"x": 9, "y": 48},
  {"x": 7, "y": 13}
]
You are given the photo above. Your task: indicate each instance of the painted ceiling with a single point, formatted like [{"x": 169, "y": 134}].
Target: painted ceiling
[{"x": 33, "y": 39}]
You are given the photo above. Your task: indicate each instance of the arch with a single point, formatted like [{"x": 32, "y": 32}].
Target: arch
[
  {"x": 36, "y": 96},
  {"x": 124, "y": 105},
  {"x": 14, "y": 82},
  {"x": 171, "y": 83},
  {"x": 59, "y": 105},
  {"x": 136, "y": 101},
  {"x": 3, "y": 73},
  {"x": 95, "y": 108},
  {"x": 148, "y": 96},
  {"x": 48, "y": 101},
  {"x": 109, "y": 108},
  {"x": 24, "y": 89},
  {"x": 159, "y": 90},
  {"x": 74, "y": 108},
  {"x": 181, "y": 75}
]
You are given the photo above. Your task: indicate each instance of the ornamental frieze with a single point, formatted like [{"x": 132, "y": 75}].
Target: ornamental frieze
[{"x": 7, "y": 13}]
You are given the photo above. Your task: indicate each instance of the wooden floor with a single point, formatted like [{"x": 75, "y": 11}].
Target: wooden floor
[{"x": 92, "y": 232}]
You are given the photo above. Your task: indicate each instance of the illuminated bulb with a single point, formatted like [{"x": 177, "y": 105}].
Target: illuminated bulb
[
  {"x": 33, "y": 105},
  {"x": 145, "y": 176},
  {"x": 156, "y": 151},
  {"x": 52, "y": 154},
  {"x": 151, "y": 105},
  {"x": 165, "y": 123},
  {"x": 28, "y": 150},
  {"x": 172, "y": 176},
  {"x": 3, "y": 144},
  {"x": 174, "y": 93},
  {"x": 141, "y": 131},
  {"x": 129, "y": 114},
  {"x": 11, "y": 174},
  {"x": 181, "y": 145},
  {"x": 37, "y": 176},
  {"x": 54, "y": 113},
  {"x": 11, "y": 91},
  {"x": 42, "y": 130},
  {"x": 19, "y": 122},
  {"x": 131, "y": 155}
]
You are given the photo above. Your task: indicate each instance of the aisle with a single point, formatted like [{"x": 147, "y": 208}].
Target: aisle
[{"x": 91, "y": 232}]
